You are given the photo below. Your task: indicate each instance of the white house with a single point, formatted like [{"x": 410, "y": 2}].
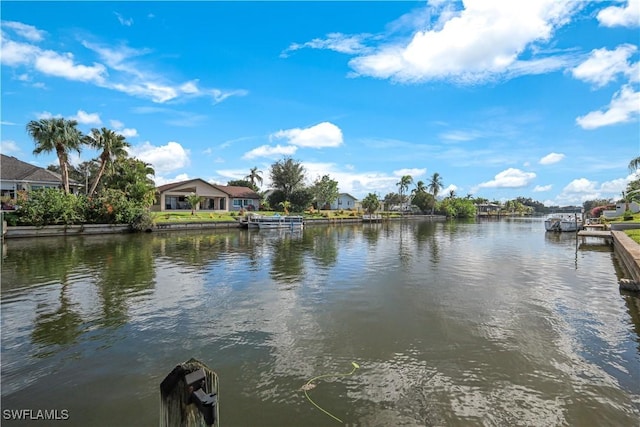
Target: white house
[
  {"x": 620, "y": 208},
  {"x": 345, "y": 201}
]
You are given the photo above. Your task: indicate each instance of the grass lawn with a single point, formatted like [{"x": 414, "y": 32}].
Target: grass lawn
[
  {"x": 183, "y": 217},
  {"x": 634, "y": 234}
]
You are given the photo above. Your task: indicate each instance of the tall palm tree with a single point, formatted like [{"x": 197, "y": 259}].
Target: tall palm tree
[
  {"x": 435, "y": 184},
  {"x": 403, "y": 185},
  {"x": 113, "y": 146},
  {"x": 634, "y": 164},
  {"x": 254, "y": 176},
  {"x": 59, "y": 135}
]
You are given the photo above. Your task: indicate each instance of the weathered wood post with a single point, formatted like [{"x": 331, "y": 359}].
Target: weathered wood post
[{"x": 189, "y": 396}]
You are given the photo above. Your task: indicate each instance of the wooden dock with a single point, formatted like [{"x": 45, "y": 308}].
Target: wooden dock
[{"x": 595, "y": 233}]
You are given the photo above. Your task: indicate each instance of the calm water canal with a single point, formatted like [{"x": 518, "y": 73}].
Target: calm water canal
[{"x": 456, "y": 324}]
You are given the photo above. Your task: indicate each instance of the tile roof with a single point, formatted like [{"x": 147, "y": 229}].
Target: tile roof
[
  {"x": 239, "y": 192},
  {"x": 231, "y": 190}
]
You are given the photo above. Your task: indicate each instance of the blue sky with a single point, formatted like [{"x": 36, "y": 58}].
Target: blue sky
[{"x": 538, "y": 99}]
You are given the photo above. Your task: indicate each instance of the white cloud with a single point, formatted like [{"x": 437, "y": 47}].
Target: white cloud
[
  {"x": 165, "y": 158},
  {"x": 63, "y": 65},
  {"x": 338, "y": 42},
  {"x": 127, "y": 22},
  {"x": 16, "y": 53},
  {"x": 413, "y": 172},
  {"x": 542, "y": 188},
  {"x": 624, "y": 107},
  {"x": 121, "y": 73},
  {"x": 8, "y": 147},
  {"x": 128, "y": 132},
  {"x": 616, "y": 16},
  {"x": 119, "y": 128},
  {"x": 322, "y": 135},
  {"x": 510, "y": 178},
  {"x": 551, "y": 158},
  {"x": 448, "y": 189},
  {"x": 84, "y": 118},
  {"x": 269, "y": 151},
  {"x": 604, "y": 65},
  {"x": 28, "y": 32},
  {"x": 479, "y": 43},
  {"x": 461, "y": 135},
  {"x": 47, "y": 115},
  {"x": 116, "y": 124},
  {"x": 357, "y": 184},
  {"x": 582, "y": 189}
]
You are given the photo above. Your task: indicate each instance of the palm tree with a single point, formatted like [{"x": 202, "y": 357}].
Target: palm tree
[
  {"x": 113, "y": 146},
  {"x": 59, "y": 135},
  {"x": 420, "y": 188},
  {"x": 435, "y": 184},
  {"x": 194, "y": 200},
  {"x": 634, "y": 164},
  {"x": 254, "y": 176},
  {"x": 403, "y": 185},
  {"x": 286, "y": 205}
]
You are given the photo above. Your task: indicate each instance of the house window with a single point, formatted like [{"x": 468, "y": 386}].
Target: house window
[{"x": 237, "y": 203}]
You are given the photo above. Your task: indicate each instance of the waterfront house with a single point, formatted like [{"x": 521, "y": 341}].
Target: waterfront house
[
  {"x": 16, "y": 175},
  {"x": 621, "y": 207},
  {"x": 345, "y": 201},
  {"x": 215, "y": 197}
]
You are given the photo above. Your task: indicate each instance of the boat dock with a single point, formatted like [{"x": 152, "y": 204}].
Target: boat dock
[{"x": 587, "y": 232}]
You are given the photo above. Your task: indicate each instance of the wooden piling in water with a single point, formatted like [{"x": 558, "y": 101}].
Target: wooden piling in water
[{"x": 189, "y": 405}]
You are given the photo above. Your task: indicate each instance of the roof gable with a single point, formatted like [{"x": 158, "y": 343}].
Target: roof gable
[
  {"x": 347, "y": 195},
  {"x": 12, "y": 169}
]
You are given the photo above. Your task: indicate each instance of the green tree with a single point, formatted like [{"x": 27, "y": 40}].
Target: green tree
[
  {"x": 59, "y": 135},
  {"x": 194, "y": 200},
  {"x": 287, "y": 175},
  {"x": 370, "y": 203},
  {"x": 424, "y": 201},
  {"x": 392, "y": 199},
  {"x": 133, "y": 177},
  {"x": 254, "y": 176},
  {"x": 112, "y": 145},
  {"x": 634, "y": 164},
  {"x": 325, "y": 191},
  {"x": 301, "y": 199}
]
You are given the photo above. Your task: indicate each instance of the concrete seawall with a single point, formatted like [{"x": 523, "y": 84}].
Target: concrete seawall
[
  {"x": 64, "y": 230},
  {"x": 628, "y": 251}
]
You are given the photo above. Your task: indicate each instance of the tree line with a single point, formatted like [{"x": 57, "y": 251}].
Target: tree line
[{"x": 117, "y": 188}]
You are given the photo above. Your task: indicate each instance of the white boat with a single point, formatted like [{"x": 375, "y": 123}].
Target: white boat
[
  {"x": 572, "y": 223},
  {"x": 275, "y": 221},
  {"x": 563, "y": 223},
  {"x": 552, "y": 223}
]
